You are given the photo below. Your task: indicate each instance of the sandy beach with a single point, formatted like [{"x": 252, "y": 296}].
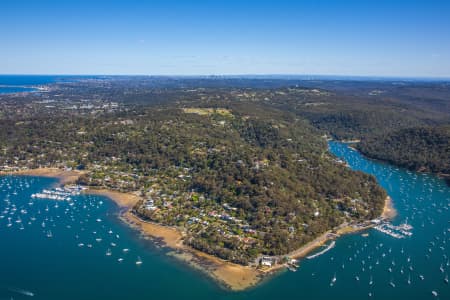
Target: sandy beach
[
  {"x": 172, "y": 237},
  {"x": 124, "y": 200},
  {"x": 233, "y": 276},
  {"x": 64, "y": 176},
  {"x": 389, "y": 212}
]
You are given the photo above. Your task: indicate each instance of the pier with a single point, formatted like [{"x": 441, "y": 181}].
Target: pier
[{"x": 399, "y": 232}]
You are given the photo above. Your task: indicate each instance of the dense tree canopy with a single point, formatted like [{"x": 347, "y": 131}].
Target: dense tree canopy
[
  {"x": 240, "y": 165},
  {"x": 419, "y": 148}
]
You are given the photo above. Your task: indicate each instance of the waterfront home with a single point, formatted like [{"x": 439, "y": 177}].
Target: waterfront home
[
  {"x": 267, "y": 261},
  {"x": 150, "y": 205}
]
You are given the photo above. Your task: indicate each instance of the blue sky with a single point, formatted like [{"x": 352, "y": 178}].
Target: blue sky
[{"x": 360, "y": 37}]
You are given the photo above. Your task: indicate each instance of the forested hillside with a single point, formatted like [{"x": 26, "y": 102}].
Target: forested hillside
[
  {"x": 240, "y": 181},
  {"x": 419, "y": 148},
  {"x": 240, "y": 165}
]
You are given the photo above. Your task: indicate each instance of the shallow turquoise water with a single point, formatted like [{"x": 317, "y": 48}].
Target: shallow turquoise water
[{"x": 56, "y": 268}]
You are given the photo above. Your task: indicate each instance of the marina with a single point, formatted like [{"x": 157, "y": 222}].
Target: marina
[
  {"x": 399, "y": 232},
  {"x": 85, "y": 233},
  {"x": 59, "y": 193}
]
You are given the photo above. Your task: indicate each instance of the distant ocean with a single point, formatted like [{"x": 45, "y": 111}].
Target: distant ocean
[
  {"x": 23, "y": 83},
  {"x": 26, "y": 83}
]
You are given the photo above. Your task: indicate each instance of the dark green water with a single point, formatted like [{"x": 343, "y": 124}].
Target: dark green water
[{"x": 57, "y": 268}]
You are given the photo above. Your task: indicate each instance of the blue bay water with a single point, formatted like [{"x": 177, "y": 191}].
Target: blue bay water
[
  {"x": 15, "y": 89},
  {"x": 22, "y": 83},
  {"x": 57, "y": 268},
  {"x": 27, "y": 79}
]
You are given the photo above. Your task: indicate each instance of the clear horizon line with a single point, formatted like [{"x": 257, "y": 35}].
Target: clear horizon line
[{"x": 409, "y": 77}]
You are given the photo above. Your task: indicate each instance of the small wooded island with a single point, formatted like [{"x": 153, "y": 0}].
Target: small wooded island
[{"x": 242, "y": 174}]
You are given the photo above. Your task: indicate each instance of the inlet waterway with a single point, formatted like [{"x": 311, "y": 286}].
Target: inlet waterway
[{"x": 80, "y": 249}]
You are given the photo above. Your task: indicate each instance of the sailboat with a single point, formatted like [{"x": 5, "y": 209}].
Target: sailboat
[
  {"x": 370, "y": 281},
  {"x": 139, "y": 261},
  {"x": 409, "y": 279},
  {"x": 333, "y": 280}
]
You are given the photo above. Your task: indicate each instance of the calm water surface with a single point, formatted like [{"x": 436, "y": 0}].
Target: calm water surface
[
  {"x": 58, "y": 268},
  {"x": 22, "y": 83}
]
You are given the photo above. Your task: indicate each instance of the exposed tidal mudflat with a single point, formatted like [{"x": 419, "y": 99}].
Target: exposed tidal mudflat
[{"x": 81, "y": 249}]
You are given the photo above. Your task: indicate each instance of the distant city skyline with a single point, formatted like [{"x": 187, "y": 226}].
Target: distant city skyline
[{"x": 349, "y": 38}]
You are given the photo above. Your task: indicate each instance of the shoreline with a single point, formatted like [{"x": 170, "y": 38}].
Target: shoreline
[
  {"x": 124, "y": 200},
  {"x": 351, "y": 145},
  {"x": 389, "y": 211},
  {"x": 230, "y": 275},
  {"x": 63, "y": 176}
]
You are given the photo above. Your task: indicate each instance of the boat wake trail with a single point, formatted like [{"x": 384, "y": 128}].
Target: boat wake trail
[
  {"x": 330, "y": 246},
  {"x": 22, "y": 292}
]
